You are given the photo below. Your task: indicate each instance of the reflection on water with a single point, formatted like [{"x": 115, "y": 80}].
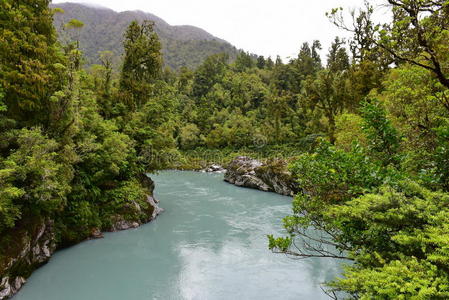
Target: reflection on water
[{"x": 210, "y": 243}]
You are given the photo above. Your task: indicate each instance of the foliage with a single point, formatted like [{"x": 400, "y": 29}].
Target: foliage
[
  {"x": 33, "y": 178},
  {"x": 75, "y": 154},
  {"x": 383, "y": 138},
  {"x": 27, "y": 56},
  {"x": 398, "y": 242},
  {"x": 141, "y": 65},
  {"x": 383, "y": 205},
  {"x": 334, "y": 175},
  {"x": 348, "y": 130},
  {"x": 440, "y": 172},
  {"x": 75, "y": 143},
  {"x": 189, "y": 136}
]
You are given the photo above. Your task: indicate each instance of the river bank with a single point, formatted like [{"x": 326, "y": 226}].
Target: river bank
[
  {"x": 210, "y": 243},
  {"x": 32, "y": 242}
]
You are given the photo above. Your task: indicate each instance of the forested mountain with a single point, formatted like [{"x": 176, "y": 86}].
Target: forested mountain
[{"x": 104, "y": 28}]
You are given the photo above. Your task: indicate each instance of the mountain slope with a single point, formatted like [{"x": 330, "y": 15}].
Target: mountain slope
[{"x": 104, "y": 28}]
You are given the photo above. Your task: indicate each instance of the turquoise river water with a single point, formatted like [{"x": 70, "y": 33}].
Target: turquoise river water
[{"x": 210, "y": 243}]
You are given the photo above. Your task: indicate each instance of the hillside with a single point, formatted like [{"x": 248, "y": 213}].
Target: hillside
[{"x": 103, "y": 30}]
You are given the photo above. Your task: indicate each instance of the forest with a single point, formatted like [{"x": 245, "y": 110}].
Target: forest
[
  {"x": 366, "y": 132},
  {"x": 104, "y": 28}
]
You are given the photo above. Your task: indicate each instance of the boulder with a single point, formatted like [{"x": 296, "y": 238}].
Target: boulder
[
  {"x": 270, "y": 176},
  {"x": 214, "y": 169}
]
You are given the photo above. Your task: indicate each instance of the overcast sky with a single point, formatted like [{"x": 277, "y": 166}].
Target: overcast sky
[{"x": 265, "y": 27}]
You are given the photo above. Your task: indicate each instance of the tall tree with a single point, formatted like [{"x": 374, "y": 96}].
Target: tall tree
[
  {"x": 209, "y": 73},
  {"x": 142, "y": 63},
  {"x": 29, "y": 71},
  {"x": 261, "y": 62},
  {"x": 337, "y": 59},
  {"x": 308, "y": 61},
  {"x": 326, "y": 91},
  {"x": 244, "y": 61}
]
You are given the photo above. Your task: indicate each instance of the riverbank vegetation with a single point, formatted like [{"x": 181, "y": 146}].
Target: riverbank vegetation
[
  {"x": 379, "y": 189},
  {"x": 368, "y": 129}
]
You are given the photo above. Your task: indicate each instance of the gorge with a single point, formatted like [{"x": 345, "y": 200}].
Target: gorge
[{"x": 210, "y": 243}]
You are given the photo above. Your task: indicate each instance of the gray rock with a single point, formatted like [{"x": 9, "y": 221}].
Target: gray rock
[
  {"x": 5, "y": 288},
  {"x": 124, "y": 225},
  {"x": 272, "y": 176},
  {"x": 34, "y": 247},
  {"x": 214, "y": 169},
  {"x": 10, "y": 286},
  {"x": 154, "y": 203},
  {"x": 96, "y": 234}
]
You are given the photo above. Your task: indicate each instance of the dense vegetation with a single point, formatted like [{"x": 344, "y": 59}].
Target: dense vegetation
[
  {"x": 379, "y": 190},
  {"x": 183, "y": 46},
  {"x": 69, "y": 151},
  {"x": 369, "y": 129}
]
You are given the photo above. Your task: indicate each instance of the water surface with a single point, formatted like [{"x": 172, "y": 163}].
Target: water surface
[{"x": 210, "y": 243}]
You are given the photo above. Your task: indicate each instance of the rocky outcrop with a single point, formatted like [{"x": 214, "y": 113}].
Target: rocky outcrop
[
  {"x": 32, "y": 242},
  {"x": 214, "y": 168},
  {"x": 140, "y": 213},
  {"x": 146, "y": 213},
  {"x": 24, "y": 250},
  {"x": 270, "y": 176}
]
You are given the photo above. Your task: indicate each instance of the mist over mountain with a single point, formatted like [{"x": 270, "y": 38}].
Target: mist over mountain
[{"x": 104, "y": 28}]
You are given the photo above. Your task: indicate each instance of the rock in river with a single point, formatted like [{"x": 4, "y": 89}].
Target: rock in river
[{"x": 269, "y": 176}]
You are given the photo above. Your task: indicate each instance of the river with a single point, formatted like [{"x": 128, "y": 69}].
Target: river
[{"x": 210, "y": 243}]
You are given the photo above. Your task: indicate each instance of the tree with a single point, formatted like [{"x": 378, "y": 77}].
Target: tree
[
  {"x": 34, "y": 180},
  {"x": 208, "y": 74},
  {"x": 337, "y": 59},
  {"x": 362, "y": 44},
  {"x": 189, "y": 136},
  {"x": 327, "y": 93},
  {"x": 29, "y": 59},
  {"x": 308, "y": 61},
  {"x": 289, "y": 77},
  {"x": 104, "y": 85},
  {"x": 261, "y": 62},
  {"x": 383, "y": 138},
  {"x": 76, "y": 26},
  {"x": 269, "y": 63},
  {"x": 416, "y": 103},
  {"x": 142, "y": 63},
  {"x": 276, "y": 110},
  {"x": 392, "y": 229},
  {"x": 417, "y": 35},
  {"x": 244, "y": 61},
  {"x": 326, "y": 89}
]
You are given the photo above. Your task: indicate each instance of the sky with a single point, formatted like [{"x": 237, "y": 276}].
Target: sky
[{"x": 263, "y": 27}]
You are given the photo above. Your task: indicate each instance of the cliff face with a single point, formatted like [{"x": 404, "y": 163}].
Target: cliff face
[
  {"x": 32, "y": 242},
  {"x": 271, "y": 176},
  {"x": 24, "y": 249}
]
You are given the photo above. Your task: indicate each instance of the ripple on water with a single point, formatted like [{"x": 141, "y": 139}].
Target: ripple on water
[{"x": 210, "y": 243}]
